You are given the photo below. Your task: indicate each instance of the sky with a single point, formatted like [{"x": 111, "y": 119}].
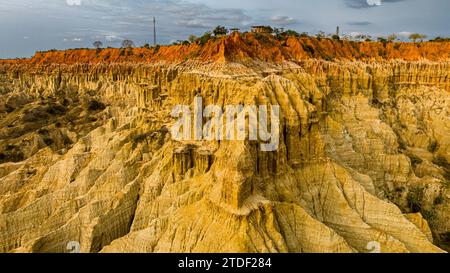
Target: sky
[{"x": 27, "y": 26}]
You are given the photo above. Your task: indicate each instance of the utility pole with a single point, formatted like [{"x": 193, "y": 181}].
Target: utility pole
[
  {"x": 154, "y": 30},
  {"x": 337, "y": 30}
]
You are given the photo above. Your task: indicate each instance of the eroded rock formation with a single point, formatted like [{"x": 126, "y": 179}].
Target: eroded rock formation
[{"x": 86, "y": 154}]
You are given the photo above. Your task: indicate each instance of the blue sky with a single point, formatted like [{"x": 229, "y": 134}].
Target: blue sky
[{"x": 30, "y": 25}]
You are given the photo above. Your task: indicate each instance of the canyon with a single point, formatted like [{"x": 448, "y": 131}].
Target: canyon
[{"x": 86, "y": 153}]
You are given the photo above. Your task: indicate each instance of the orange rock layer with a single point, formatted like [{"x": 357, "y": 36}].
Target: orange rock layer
[{"x": 248, "y": 46}]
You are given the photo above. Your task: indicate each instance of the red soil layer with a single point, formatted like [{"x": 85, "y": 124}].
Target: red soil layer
[{"x": 248, "y": 46}]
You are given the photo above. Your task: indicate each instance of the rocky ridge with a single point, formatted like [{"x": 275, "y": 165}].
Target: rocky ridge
[{"x": 86, "y": 154}]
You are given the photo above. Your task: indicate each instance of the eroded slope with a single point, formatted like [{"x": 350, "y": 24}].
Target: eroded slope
[{"x": 364, "y": 157}]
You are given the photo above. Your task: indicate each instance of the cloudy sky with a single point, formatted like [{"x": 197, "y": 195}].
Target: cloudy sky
[{"x": 30, "y": 25}]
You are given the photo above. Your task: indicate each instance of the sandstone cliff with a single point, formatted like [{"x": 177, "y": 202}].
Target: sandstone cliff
[{"x": 86, "y": 154}]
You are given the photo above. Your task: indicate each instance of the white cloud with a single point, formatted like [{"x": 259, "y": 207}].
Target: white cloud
[
  {"x": 283, "y": 20},
  {"x": 354, "y": 34},
  {"x": 359, "y": 4},
  {"x": 112, "y": 38},
  {"x": 76, "y": 39},
  {"x": 374, "y": 2},
  {"x": 73, "y": 2},
  {"x": 404, "y": 34}
]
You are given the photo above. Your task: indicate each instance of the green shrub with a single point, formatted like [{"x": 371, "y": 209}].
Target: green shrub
[
  {"x": 304, "y": 35},
  {"x": 95, "y": 105},
  {"x": 433, "y": 146},
  {"x": 205, "y": 38},
  {"x": 308, "y": 49},
  {"x": 445, "y": 237},
  {"x": 220, "y": 30},
  {"x": 11, "y": 156},
  {"x": 429, "y": 215},
  {"x": 439, "y": 200},
  {"x": 156, "y": 49},
  {"x": 43, "y": 131},
  {"x": 36, "y": 114},
  {"x": 441, "y": 161},
  {"x": 9, "y": 108},
  {"x": 414, "y": 199},
  {"x": 293, "y": 33},
  {"x": 140, "y": 138},
  {"x": 55, "y": 109},
  {"x": 10, "y": 147},
  {"x": 415, "y": 160},
  {"x": 263, "y": 38},
  {"x": 382, "y": 40},
  {"x": 48, "y": 141},
  {"x": 440, "y": 39}
]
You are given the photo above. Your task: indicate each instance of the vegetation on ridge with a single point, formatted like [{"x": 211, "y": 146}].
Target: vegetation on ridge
[{"x": 275, "y": 45}]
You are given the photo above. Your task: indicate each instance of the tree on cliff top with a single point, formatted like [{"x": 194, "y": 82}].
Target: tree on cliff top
[
  {"x": 392, "y": 37},
  {"x": 440, "y": 39},
  {"x": 292, "y": 33},
  {"x": 192, "y": 38},
  {"x": 97, "y": 44},
  {"x": 416, "y": 36},
  {"x": 205, "y": 38},
  {"x": 127, "y": 44},
  {"x": 220, "y": 30}
]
